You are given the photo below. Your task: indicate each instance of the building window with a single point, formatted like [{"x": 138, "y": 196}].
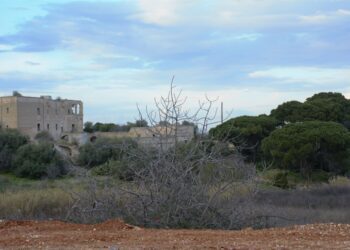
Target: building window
[
  {"x": 48, "y": 126},
  {"x": 7, "y": 126},
  {"x": 68, "y": 111},
  {"x": 7, "y": 110},
  {"x": 38, "y": 111},
  {"x": 61, "y": 129},
  {"x": 56, "y": 127},
  {"x": 73, "y": 127},
  {"x": 38, "y": 127}
]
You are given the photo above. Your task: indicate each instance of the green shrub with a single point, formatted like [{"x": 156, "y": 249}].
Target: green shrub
[
  {"x": 10, "y": 141},
  {"x": 44, "y": 136},
  {"x": 102, "y": 150},
  {"x": 281, "y": 180},
  {"x": 37, "y": 161},
  {"x": 113, "y": 168}
]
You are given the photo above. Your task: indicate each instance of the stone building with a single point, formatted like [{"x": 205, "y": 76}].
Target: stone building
[
  {"x": 157, "y": 136},
  {"x": 31, "y": 115}
]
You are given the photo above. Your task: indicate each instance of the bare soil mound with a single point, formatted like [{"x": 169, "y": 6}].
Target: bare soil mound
[{"x": 115, "y": 234}]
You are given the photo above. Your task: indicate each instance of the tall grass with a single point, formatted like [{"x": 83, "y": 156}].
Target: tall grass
[{"x": 34, "y": 204}]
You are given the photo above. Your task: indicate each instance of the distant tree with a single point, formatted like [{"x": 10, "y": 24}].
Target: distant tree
[
  {"x": 307, "y": 146},
  {"x": 141, "y": 123},
  {"x": 246, "y": 132},
  {"x": 88, "y": 127},
  {"x": 322, "y": 107},
  {"x": 331, "y": 107},
  {"x": 16, "y": 93},
  {"x": 164, "y": 123},
  {"x": 288, "y": 112}
]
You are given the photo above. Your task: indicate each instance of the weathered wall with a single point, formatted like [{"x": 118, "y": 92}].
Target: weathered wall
[
  {"x": 31, "y": 115},
  {"x": 8, "y": 112}
]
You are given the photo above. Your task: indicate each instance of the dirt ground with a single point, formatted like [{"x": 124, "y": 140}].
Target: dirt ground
[{"x": 118, "y": 235}]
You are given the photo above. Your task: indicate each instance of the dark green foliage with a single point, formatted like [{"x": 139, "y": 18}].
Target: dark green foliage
[
  {"x": 289, "y": 111},
  {"x": 104, "y": 127},
  {"x": 308, "y": 146},
  {"x": 246, "y": 132},
  {"x": 16, "y": 93},
  {"x": 116, "y": 168},
  {"x": 88, "y": 127},
  {"x": 10, "y": 141},
  {"x": 141, "y": 123},
  {"x": 281, "y": 180},
  {"x": 102, "y": 150},
  {"x": 323, "y": 107},
  {"x": 44, "y": 136},
  {"x": 37, "y": 161}
]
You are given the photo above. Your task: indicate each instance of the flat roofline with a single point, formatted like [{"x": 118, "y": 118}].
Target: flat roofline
[{"x": 40, "y": 98}]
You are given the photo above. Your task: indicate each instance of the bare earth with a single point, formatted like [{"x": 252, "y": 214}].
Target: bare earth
[{"x": 118, "y": 235}]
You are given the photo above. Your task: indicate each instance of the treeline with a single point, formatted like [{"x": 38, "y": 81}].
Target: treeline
[
  {"x": 300, "y": 137},
  {"x": 90, "y": 127}
]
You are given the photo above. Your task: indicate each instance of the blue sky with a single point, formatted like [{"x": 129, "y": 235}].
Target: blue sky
[{"x": 252, "y": 54}]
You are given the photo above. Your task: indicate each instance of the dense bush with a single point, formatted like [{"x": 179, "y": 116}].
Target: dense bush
[
  {"x": 308, "y": 146},
  {"x": 44, "y": 136},
  {"x": 10, "y": 141},
  {"x": 102, "y": 150},
  {"x": 38, "y": 161}
]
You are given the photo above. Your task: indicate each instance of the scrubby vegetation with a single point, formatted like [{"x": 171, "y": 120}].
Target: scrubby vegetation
[
  {"x": 289, "y": 167},
  {"x": 29, "y": 160},
  {"x": 103, "y": 150}
]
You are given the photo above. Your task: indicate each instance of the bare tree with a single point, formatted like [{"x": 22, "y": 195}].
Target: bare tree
[
  {"x": 179, "y": 184},
  {"x": 174, "y": 183}
]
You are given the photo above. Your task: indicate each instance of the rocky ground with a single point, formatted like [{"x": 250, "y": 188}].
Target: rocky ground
[{"x": 118, "y": 235}]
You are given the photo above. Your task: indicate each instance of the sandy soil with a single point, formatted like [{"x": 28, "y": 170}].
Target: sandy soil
[{"x": 118, "y": 235}]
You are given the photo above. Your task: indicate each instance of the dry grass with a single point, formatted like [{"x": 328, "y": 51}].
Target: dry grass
[{"x": 29, "y": 204}]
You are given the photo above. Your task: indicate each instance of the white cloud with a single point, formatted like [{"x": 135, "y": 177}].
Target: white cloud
[
  {"x": 165, "y": 12},
  {"x": 307, "y": 75},
  {"x": 327, "y": 17}
]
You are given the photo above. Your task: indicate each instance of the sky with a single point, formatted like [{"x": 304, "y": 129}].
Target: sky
[{"x": 116, "y": 54}]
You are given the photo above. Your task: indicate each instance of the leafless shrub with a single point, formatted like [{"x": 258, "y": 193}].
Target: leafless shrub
[{"x": 175, "y": 182}]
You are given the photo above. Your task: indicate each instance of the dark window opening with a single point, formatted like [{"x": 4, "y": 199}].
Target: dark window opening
[
  {"x": 38, "y": 127},
  {"x": 48, "y": 126},
  {"x": 38, "y": 111},
  {"x": 61, "y": 129},
  {"x": 56, "y": 127},
  {"x": 7, "y": 110},
  {"x": 73, "y": 127}
]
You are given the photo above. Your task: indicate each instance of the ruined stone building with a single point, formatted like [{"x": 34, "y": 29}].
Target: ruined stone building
[
  {"x": 31, "y": 115},
  {"x": 156, "y": 136}
]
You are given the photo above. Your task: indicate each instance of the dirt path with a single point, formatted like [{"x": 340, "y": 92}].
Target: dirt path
[{"x": 117, "y": 235}]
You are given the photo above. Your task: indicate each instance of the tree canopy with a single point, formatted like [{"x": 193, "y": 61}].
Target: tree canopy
[
  {"x": 322, "y": 107},
  {"x": 246, "y": 132},
  {"x": 310, "y": 145}
]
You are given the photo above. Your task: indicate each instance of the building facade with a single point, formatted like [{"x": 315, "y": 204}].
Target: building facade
[{"x": 31, "y": 115}]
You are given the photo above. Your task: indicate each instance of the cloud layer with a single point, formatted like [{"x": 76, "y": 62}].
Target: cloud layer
[{"x": 114, "y": 54}]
